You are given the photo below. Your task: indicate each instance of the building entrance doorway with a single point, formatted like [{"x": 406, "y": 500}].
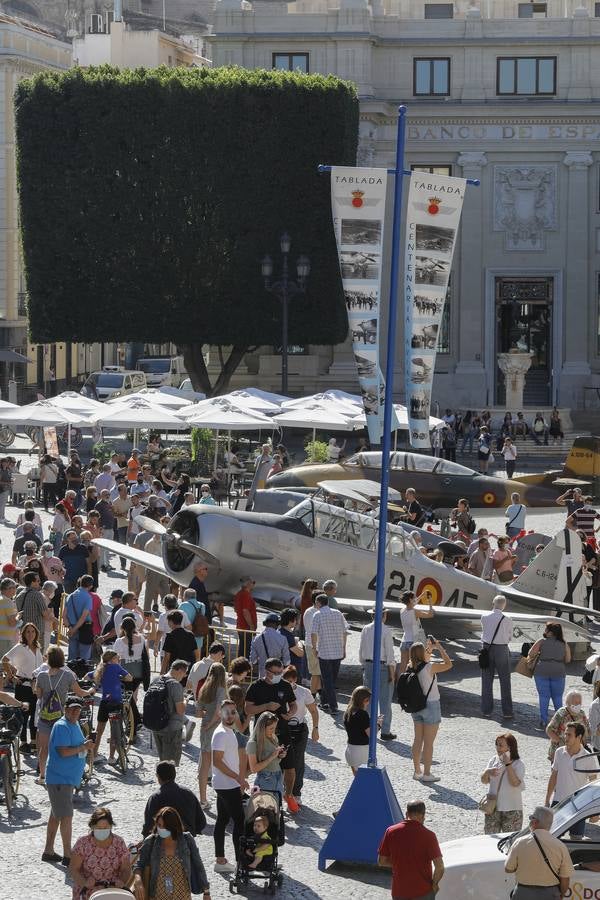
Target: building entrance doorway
[{"x": 524, "y": 322}]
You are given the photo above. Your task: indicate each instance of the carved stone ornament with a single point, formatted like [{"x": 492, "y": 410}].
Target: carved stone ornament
[
  {"x": 367, "y": 135},
  {"x": 524, "y": 205},
  {"x": 514, "y": 367}
]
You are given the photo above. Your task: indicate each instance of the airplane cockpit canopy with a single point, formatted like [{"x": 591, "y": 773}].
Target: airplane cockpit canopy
[
  {"x": 334, "y": 523},
  {"x": 409, "y": 462}
]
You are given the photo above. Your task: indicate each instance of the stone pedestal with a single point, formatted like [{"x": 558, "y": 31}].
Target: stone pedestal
[{"x": 514, "y": 366}]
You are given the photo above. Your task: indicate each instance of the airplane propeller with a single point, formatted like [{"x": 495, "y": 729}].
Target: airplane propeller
[{"x": 176, "y": 540}]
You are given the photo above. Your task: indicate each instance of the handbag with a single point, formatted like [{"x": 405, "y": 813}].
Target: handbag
[
  {"x": 588, "y": 676},
  {"x": 484, "y": 653},
  {"x": 488, "y": 803},
  {"x": 526, "y": 668}
]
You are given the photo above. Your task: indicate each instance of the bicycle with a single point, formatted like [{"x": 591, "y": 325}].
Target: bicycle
[
  {"x": 7, "y": 436},
  {"x": 122, "y": 730},
  {"x": 10, "y": 755},
  {"x": 86, "y": 723}
]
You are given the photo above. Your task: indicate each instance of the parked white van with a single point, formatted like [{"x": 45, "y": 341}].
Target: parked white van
[
  {"x": 112, "y": 379},
  {"x": 168, "y": 371}
]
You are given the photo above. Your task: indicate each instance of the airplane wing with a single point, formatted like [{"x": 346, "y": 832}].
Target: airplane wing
[
  {"x": 542, "y": 603},
  {"x": 574, "y": 631},
  {"x": 148, "y": 560}
]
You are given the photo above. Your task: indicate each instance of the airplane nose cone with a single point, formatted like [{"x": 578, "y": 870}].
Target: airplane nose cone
[{"x": 284, "y": 480}]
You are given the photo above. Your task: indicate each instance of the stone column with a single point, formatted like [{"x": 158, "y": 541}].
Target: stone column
[
  {"x": 576, "y": 366},
  {"x": 514, "y": 366},
  {"x": 467, "y": 317}
]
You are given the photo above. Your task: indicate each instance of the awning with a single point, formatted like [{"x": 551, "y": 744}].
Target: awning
[{"x": 13, "y": 357}]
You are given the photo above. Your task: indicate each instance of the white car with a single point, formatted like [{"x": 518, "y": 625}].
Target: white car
[{"x": 474, "y": 867}]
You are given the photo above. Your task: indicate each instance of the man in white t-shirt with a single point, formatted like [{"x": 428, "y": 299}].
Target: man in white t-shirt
[
  {"x": 129, "y": 608},
  {"x": 163, "y": 627},
  {"x": 312, "y": 658},
  {"x": 572, "y": 768},
  {"x": 228, "y": 784}
]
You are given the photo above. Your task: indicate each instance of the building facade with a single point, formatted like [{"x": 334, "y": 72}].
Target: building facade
[{"x": 498, "y": 90}]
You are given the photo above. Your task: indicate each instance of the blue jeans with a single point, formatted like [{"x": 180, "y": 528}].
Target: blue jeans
[
  {"x": 549, "y": 688},
  {"x": 386, "y": 689},
  {"x": 329, "y": 674},
  {"x": 270, "y": 781},
  {"x": 468, "y": 439},
  {"x": 77, "y": 650}
]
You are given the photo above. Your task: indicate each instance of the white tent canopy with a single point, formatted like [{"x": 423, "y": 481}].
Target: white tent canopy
[
  {"x": 42, "y": 413},
  {"x": 154, "y": 396},
  {"x": 140, "y": 414},
  {"x": 4, "y": 404},
  {"x": 75, "y": 403},
  {"x": 402, "y": 416},
  {"x": 246, "y": 400},
  {"x": 314, "y": 416},
  {"x": 277, "y": 399},
  {"x": 224, "y": 416}
]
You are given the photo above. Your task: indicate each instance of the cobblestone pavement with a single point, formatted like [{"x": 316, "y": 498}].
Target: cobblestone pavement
[{"x": 464, "y": 745}]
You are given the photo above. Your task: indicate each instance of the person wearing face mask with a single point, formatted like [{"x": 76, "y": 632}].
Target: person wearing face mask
[
  {"x": 53, "y": 569},
  {"x": 571, "y": 713},
  {"x": 99, "y": 858},
  {"x": 505, "y": 776},
  {"x": 229, "y": 785},
  {"x": 206, "y": 496},
  {"x": 169, "y": 865}
]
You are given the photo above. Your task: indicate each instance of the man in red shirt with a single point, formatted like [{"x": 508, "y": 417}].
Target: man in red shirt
[
  {"x": 245, "y": 610},
  {"x": 409, "y": 849}
]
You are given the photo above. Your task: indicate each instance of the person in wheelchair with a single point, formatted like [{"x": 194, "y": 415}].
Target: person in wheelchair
[{"x": 260, "y": 845}]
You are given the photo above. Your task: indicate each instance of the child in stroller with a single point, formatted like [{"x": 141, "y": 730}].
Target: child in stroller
[{"x": 258, "y": 858}]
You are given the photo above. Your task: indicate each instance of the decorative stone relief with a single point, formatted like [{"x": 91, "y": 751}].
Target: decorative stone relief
[
  {"x": 367, "y": 135},
  {"x": 524, "y": 205}
]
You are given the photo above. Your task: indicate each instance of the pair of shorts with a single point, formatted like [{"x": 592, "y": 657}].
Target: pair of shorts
[
  {"x": 406, "y": 645},
  {"x": 106, "y": 707},
  {"x": 206, "y": 735},
  {"x": 431, "y": 715},
  {"x": 242, "y": 740},
  {"x": 61, "y": 800},
  {"x": 44, "y": 727},
  {"x": 357, "y": 755},
  {"x": 312, "y": 660}
]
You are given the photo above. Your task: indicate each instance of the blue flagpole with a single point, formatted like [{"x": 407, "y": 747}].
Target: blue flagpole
[{"x": 386, "y": 444}]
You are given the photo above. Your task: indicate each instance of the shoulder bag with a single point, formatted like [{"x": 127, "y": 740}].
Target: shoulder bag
[
  {"x": 487, "y": 804},
  {"x": 526, "y": 666},
  {"x": 484, "y": 653},
  {"x": 516, "y": 515}
]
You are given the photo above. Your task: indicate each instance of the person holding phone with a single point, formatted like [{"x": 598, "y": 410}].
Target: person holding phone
[
  {"x": 427, "y": 721},
  {"x": 265, "y": 754},
  {"x": 411, "y": 623}
]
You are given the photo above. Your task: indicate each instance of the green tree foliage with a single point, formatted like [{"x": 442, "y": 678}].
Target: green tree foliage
[{"x": 149, "y": 197}]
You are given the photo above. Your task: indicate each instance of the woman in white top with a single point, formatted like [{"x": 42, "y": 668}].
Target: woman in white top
[
  {"x": 505, "y": 775},
  {"x": 130, "y": 647},
  {"x": 509, "y": 452},
  {"x": 427, "y": 722},
  {"x": 293, "y": 778},
  {"x": 334, "y": 450},
  {"x": 411, "y": 624},
  {"x": 20, "y": 662},
  {"x": 594, "y": 715}
]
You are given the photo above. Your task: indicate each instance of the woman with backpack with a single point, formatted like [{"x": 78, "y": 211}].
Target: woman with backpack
[
  {"x": 51, "y": 688},
  {"x": 211, "y": 695},
  {"x": 426, "y": 721}
]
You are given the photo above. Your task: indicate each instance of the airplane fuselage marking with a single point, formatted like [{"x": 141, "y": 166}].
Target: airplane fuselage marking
[{"x": 400, "y": 583}]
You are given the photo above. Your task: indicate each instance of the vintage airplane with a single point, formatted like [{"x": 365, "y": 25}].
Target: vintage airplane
[
  {"x": 320, "y": 540},
  {"x": 440, "y": 482}
]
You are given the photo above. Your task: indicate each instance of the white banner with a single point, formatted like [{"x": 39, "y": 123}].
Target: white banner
[
  {"x": 432, "y": 220},
  {"x": 358, "y": 204}
]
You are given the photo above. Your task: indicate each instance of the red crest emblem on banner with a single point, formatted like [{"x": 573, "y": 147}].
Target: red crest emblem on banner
[
  {"x": 357, "y": 199},
  {"x": 434, "y": 206}
]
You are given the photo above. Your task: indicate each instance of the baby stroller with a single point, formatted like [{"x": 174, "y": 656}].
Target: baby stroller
[{"x": 265, "y": 804}]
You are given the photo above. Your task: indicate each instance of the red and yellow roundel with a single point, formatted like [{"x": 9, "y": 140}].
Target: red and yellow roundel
[
  {"x": 489, "y": 498},
  {"x": 430, "y": 584}
]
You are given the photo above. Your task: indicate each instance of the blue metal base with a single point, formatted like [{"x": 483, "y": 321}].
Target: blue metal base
[{"x": 369, "y": 808}]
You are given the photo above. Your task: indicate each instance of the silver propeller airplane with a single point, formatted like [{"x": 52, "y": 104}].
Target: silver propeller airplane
[{"x": 320, "y": 540}]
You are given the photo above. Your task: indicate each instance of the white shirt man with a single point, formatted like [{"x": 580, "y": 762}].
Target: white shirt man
[
  {"x": 227, "y": 782},
  {"x": 387, "y": 670},
  {"x": 130, "y": 609},
  {"x": 572, "y": 766},
  {"x": 496, "y": 634}
]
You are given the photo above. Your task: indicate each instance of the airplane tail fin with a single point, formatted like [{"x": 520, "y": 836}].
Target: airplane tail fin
[
  {"x": 556, "y": 573},
  {"x": 583, "y": 460}
]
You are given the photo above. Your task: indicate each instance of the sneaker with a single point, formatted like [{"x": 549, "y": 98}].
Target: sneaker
[
  {"x": 205, "y": 804},
  {"x": 291, "y": 803},
  {"x": 224, "y": 867},
  {"x": 540, "y": 726},
  {"x": 40, "y": 780},
  {"x": 298, "y": 801},
  {"x": 189, "y": 730},
  {"x": 388, "y": 737},
  {"x": 113, "y": 761},
  {"x": 429, "y": 778},
  {"x": 417, "y": 776},
  {"x": 51, "y": 857},
  {"x": 324, "y": 707}
]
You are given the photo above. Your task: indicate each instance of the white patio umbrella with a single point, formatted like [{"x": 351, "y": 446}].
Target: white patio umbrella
[
  {"x": 75, "y": 403},
  {"x": 360, "y": 421},
  {"x": 4, "y": 404},
  {"x": 219, "y": 415},
  {"x": 314, "y": 417},
  {"x": 150, "y": 395},
  {"x": 138, "y": 414},
  {"x": 326, "y": 401},
  {"x": 43, "y": 414},
  {"x": 277, "y": 399},
  {"x": 246, "y": 400}
]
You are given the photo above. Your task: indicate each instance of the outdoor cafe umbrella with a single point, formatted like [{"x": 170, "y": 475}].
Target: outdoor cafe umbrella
[
  {"x": 138, "y": 414},
  {"x": 246, "y": 400},
  {"x": 75, "y": 403},
  {"x": 220, "y": 415},
  {"x": 42, "y": 414},
  {"x": 151, "y": 395},
  {"x": 314, "y": 417}
]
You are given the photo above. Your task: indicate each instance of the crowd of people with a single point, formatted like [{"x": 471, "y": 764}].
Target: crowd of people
[{"x": 255, "y": 712}]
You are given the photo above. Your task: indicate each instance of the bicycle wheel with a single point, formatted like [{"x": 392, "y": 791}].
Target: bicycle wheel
[
  {"x": 16, "y": 764},
  {"x": 7, "y": 436},
  {"x": 128, "y": 722},
  {"x": 122, "y": 758},
  {"x": 7, "y": 783}
]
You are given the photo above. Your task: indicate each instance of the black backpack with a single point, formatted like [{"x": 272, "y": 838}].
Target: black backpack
[
  {"x": 471, "y": 526},
  {"x": 409, "y": 693},
  {"x": 157, "y": 714}
]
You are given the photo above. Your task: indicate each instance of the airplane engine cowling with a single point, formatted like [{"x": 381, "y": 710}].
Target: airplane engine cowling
[{"x": 185, "y": 524}]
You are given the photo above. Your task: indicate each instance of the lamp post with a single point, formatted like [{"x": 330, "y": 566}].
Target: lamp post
[{"x": 284, "y": 288}]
